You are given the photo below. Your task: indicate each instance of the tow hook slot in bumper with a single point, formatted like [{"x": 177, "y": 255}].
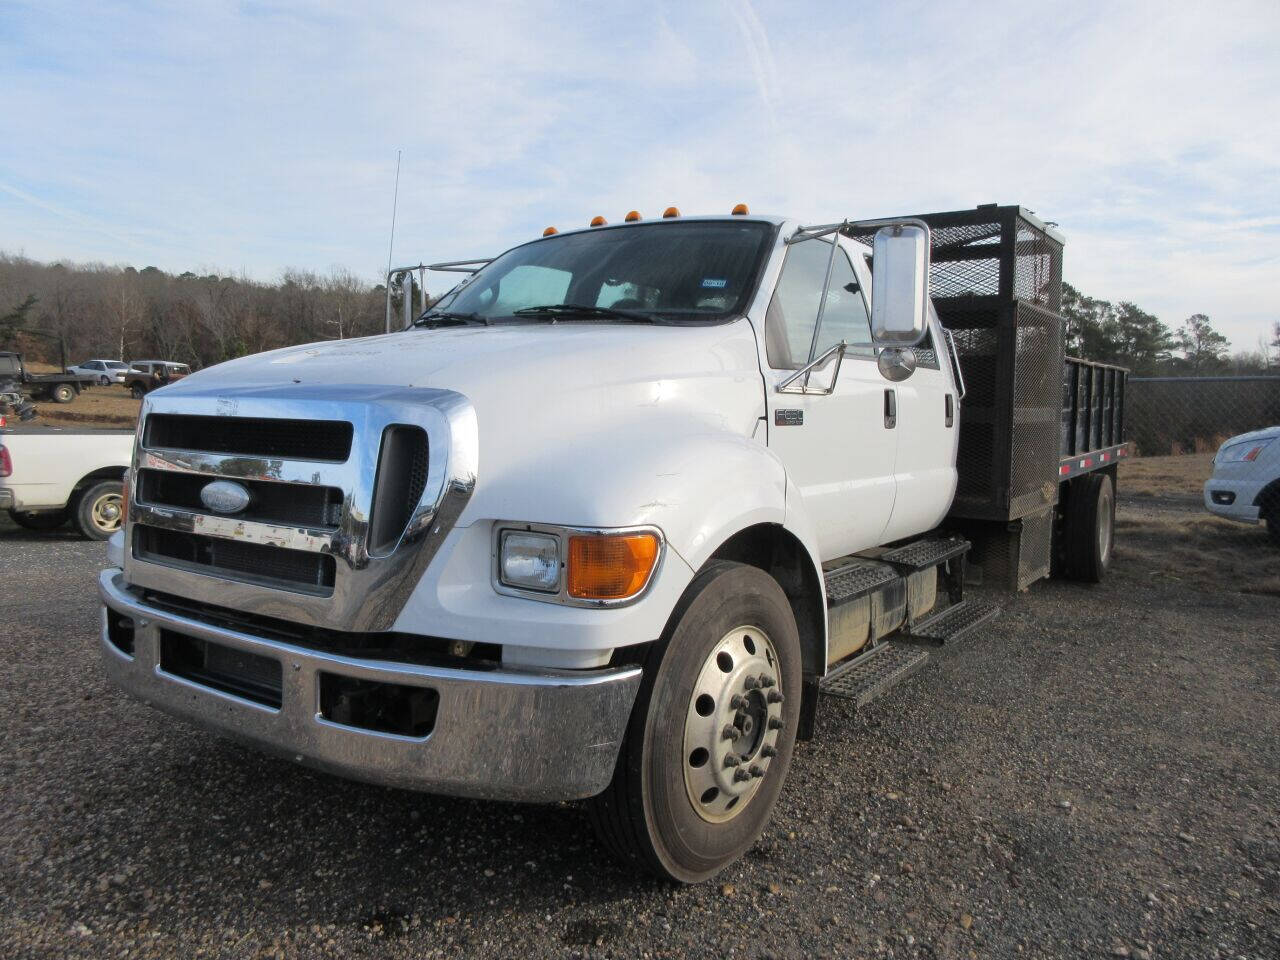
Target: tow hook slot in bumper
[{"x": 505, "y": 734}]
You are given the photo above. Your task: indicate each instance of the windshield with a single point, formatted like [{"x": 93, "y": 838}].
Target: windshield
[{"x": 688, "y": 272}]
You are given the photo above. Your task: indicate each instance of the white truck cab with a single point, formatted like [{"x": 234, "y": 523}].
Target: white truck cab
[{"x": 572, "y": 533}]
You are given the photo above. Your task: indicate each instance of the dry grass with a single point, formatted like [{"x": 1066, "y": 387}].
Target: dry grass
[
  {"x": 95, "y": 408},
  {"x": 1202, "y": 551},
  {"x": 1182, "y": 476}
]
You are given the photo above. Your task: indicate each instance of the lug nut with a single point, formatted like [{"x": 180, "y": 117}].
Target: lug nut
[
  {"x": 732, "y": 760},
  {"x": 736, "y": 702},
  {"x": 730, "y": 732},
  {"x": 766, "y": 681},
  {"x": 756, "y": 771},
  {"x": 749, "y": 683},
  {"x": 775, "y": 723},
  {"x": 775, "y": 696},
  {"x": 767, "y": 751},
  {"x": 740, "y": 775}
]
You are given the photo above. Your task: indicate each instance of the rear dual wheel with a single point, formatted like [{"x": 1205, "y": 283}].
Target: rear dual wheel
[
  {"x": 1089, "y": 530},
  {"x": 712, "y": 730}
]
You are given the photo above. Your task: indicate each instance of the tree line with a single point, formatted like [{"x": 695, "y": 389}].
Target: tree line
[
  {"x": 1126, "y": 334},
  {"x": 114, "y": 312}
]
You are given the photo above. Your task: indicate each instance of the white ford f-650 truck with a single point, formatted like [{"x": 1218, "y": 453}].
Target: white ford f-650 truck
[{"x": 607, "y": 519}]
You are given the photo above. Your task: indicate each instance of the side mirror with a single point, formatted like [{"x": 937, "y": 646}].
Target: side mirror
[{"x": 900, "y": 285}]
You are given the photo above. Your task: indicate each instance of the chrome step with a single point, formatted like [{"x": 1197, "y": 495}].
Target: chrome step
[
  {"x": 870, "y": 674},
  {"x": 954, "y": 622},
  {"x": 926, "y": 553}
]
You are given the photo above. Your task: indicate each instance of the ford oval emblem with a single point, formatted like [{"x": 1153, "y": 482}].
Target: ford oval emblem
[{"x": 224, "y": 496}]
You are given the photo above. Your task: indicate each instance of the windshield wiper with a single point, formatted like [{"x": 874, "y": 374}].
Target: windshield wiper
[
  {"x": 557, "y": 310},
  {"x": 444, "y": 317}
]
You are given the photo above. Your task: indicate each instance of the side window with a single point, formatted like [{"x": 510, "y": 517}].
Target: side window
[
  {"x": 845, "y": 317},
  {"x": 793, "y": 311},
  {"x": 794, "y": 307},
  {"x": 529, "y": 285}
]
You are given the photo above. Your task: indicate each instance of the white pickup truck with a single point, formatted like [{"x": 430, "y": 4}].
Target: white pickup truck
[
  {"x": 602, "y": 523},
  {"x": 49, "y": 475}
]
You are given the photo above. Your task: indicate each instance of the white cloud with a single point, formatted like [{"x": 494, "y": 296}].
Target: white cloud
[{"x": 264, "y": 136}]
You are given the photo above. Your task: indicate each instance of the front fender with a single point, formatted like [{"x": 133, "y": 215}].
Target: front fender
[{"x": 699, "y": 488}]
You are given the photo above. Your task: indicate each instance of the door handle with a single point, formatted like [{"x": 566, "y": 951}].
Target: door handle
[
  {"x": 890, "y": 409},
  {"x": 950, "y": 410}
]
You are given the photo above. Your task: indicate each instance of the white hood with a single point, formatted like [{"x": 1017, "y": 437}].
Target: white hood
[{"x": 565, "y": 402}]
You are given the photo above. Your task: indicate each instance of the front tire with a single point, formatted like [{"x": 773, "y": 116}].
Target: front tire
[
  {"x": 100, "y": 510},
  {"x": 723, "y": 682},
  {"x": 138, "y": 391}
]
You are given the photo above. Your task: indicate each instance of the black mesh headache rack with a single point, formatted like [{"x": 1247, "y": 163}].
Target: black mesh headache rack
[{"x": 1031, "y": 417}]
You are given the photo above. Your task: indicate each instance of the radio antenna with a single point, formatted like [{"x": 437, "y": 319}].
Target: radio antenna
[{"x": 395, "y": 200}]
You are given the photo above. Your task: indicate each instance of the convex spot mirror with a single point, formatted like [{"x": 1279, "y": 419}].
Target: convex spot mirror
[{"x": 900, "y": 285}]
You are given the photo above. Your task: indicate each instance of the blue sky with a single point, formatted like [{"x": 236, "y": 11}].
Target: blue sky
[{"x": 257, "y": 136}]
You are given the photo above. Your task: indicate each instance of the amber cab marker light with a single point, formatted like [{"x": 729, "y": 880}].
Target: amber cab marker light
[
  {"x": 740, "y": 210},
  {"x": 670, "y": 212},
  {"x": 550, "y": 232},
  {"x": 612, "y": 566},
  {"x": 633, "y": 216},
  {"x": 598, "y": 221}
]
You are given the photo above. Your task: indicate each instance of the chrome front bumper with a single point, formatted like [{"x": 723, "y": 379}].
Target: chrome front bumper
[{"x": 498, "y": 734}]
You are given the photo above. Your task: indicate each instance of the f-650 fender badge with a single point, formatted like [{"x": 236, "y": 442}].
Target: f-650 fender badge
[{"x": 788, "y": 418}]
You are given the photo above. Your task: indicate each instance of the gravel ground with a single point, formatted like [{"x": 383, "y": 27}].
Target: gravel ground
[{"x": 1095, "y": 774}]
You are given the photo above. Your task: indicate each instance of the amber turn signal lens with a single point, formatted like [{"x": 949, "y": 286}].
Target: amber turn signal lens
[
  {"x": 550, "y": 232},
  {"x": 670, "y": 212},
  {"x": 611, "y": 566},
  {"x": 633, "y": 216},
  {"x": 740, "y": 210},
  {"x": 598, "y": 221}
]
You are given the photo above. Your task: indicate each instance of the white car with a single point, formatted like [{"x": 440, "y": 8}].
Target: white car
[
  {"x": 1245, "y": 485},
  {"x": 107, "y": 371}
]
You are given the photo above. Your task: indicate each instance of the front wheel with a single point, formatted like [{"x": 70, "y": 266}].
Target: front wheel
[
  {"x": 138, "y": 391},
  {"x": 101, "y": 510},
  {"x": 712, "y": 731},
  {"x": 63, "y": 393}
]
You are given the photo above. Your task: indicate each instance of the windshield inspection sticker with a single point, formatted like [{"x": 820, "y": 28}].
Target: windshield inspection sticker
[{"x": 714, "y": 283}]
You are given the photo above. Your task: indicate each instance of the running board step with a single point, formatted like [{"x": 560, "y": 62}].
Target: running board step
[
  {"x": 856, "y": 579},
  {"x": 870, "y": 674},
  {"x": 954, "y": 622},
  {"x": 926, "y": 553}
]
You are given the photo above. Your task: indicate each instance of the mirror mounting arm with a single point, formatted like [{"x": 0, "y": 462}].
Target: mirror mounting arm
[{"x": 838, "y": 349}]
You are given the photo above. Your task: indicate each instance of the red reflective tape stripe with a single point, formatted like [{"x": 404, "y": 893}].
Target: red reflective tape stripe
[{"x": 1064, "y": 470}]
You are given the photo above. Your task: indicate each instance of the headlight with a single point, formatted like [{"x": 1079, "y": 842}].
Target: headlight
[
  {"x": 530, "y": 561},
  {"x": 1243, "y": 452},
  {"x": 575, "y": 565}
]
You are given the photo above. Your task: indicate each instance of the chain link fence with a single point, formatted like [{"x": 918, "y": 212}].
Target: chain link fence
[{"x": 1181, "y": 415}]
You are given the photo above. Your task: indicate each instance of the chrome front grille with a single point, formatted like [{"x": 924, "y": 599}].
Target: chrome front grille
[
  {"x": 300, "y": 504},
  {"x": 277, "y": 567},
  {"x": 251, "y": 436},
  {"x": 350, "y": 498}
]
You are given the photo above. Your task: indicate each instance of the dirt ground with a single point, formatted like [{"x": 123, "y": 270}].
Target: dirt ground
[
  {"x": 1094, "y": 774},
  {"x": 94, "y": 408}
]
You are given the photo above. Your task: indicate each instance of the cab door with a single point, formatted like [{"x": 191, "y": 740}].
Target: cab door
[
  {"x": 839, "y": 449},
  {"x": 928, "y": 436}
]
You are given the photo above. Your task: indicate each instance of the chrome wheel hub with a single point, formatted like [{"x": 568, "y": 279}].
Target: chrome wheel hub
[
  {"x": 107, "y": 511},
  {"x": 732, "y": 725}
]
